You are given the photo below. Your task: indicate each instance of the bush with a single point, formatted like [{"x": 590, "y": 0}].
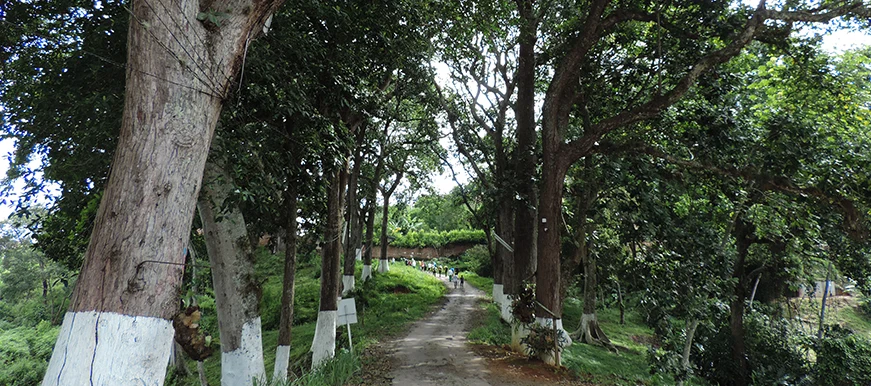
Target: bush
[
  {"x": 423, "y": 239},
  {"x": 775, "y": 349},
  {"x": 865, "y": 306},
  {"x": 24, "y": 353},
  {"x": 475, "y": 259},
  {"x": 843, "y": 359}
]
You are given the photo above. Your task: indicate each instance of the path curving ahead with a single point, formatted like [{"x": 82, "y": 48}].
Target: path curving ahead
[{"x": 435, "y": 352}]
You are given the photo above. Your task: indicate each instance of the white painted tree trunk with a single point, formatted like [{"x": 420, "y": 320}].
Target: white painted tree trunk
[
  {"x": 106, "y": 342},
  {"x": 564, "y": 336},
  {"x": 367, "y": 273},
  {"x": 518, "y": 332},
  {"x": 497, "y": 293},
  {"x": 118, "y": 327},
  {"x": 282, "y": 360},
  {"x": 383, "y": 266},
  {"x": 347, "y": 284},
  {"x": 505, "y": 309},
  {"x": 324, "y": 342},
  {"x": 232, "y": 260},
  {"x": 244, "y": 365}
]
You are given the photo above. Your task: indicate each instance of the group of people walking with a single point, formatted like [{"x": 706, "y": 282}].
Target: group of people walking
[{"x": 453, "y": 274}]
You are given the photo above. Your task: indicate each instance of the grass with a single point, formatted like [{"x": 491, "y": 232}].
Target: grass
[
  {"x": 843, "y": 311},
  {"x": 493, "y": 330},
  {"x": 597, "y": 364},
  {"x": 482, "y": 283},
  {"x": 395, "y": 298}
]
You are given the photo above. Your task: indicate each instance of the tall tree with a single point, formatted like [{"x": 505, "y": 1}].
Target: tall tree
[
  {"x": 179, "y": 70},
  {"x": 231, "y": 257}
]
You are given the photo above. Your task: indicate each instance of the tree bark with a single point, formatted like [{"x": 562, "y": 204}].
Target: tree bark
[
  {"x": 282, "y": 352},
  {"x": 118, "y": 326},
  {"x": 353, "y": 239},
  {"x": 370, "y": 234},
  {"x": 231, "y": 257},
  {"x": 744, "y": 237},
  {"x": 324, "y": 342},
  {"x": 382, "y": 262},
  {"x": 383, "y": 265},
  {"x": 503, "y": 261},
  {"x": 525, "y": 261}
]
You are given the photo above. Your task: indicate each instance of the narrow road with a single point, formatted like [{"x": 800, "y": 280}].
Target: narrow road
[{"x": 435, "y": 351}]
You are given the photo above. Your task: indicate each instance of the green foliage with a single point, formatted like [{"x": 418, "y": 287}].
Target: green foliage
[
  {"x": 24, "y": 353},
  {"x": 540, "y": 340},
  {"x": 865, "y": 306},
  {"x": 436, "y": 239},
  {"x": 475, "y": 259},
  {"x": 523, "y": 306},
  {"x": 843, "y": 359},
  {"x": 633, "y": 339}
]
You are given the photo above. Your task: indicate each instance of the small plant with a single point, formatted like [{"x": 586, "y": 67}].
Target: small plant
[
  {"x": 523, "y": 306},
  {"x": 540, "y": 340}
]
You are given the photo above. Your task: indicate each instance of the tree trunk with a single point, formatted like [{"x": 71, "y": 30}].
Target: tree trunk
[
  {"x": 687, "y": 348},
  {"x": 282, "y": 352},
  {"x": 118, "y": 326},
  {"x": 324, "y": 342},
  {"x": 353, "y": 221},
  {"x": 382, "y": 262},
  {"x": 236, "y": 288},
  {"x": 370, "y": 234},
  {"x": 589, "y": 330},
  {"x": 178, "y": 362},
  {"x": 525, "y": 261},
  {"x": 620, "y": 303},
  {"x": 201, "y": 373},
  {"x": 503, "y": 261},
  {"x": 744, "y": 237}
]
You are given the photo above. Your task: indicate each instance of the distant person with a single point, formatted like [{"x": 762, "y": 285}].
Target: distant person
[
  {"x": 462, "y": 281},
  {"x": 455, "y": 281}
]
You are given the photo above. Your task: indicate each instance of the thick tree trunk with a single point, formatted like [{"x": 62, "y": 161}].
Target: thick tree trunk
[
  {"x": 118, "y": 326},
  {"x": 236, "y": 288},
  {"x": 282, "y": 352},
  {"x": 324, "y": 342},
  {"x": 370, "y": 234},
  {"x": 525, "y": 261}
]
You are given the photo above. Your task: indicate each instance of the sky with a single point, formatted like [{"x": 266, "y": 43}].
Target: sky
[{"x": 838, "y": 41}]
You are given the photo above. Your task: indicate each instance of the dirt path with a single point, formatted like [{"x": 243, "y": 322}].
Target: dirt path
[{"x": 435, "y": 351}]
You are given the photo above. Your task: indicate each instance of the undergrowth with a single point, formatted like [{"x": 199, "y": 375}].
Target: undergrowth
[{"x": 396, "y": 298}]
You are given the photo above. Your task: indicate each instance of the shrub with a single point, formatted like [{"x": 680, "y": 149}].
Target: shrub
[
  {"x": 423, "y": 239},
  {"x": 843, "y": 359},
  {"x": 24, "y": 353}
]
